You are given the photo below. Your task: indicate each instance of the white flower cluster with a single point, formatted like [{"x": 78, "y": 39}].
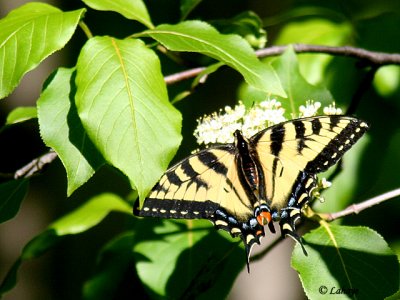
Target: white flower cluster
[
  {"x": 332, "y": 110},
  {"x": 260, "y": 116},
  {"x": 310, "y": 109},
  {"x": 219, "y": 127}
]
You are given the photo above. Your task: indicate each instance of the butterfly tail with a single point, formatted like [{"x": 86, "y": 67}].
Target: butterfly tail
[
  {"x": 247, "y": 248},
  {"x": 247, "y": 252},
  {"x": 288, "y": 228}
]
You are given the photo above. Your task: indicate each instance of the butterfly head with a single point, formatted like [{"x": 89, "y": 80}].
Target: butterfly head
[{"x": 240, "y": 140}]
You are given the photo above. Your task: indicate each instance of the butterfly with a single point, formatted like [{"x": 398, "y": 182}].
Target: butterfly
[{"x": 243, "y": 186}]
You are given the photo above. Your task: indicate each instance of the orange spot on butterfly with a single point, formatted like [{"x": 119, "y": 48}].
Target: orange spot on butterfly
[{"x": 264, "y": 218}]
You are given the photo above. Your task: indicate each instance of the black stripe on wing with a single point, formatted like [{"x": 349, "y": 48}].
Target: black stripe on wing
[
  {"x": 210, "y": 160},
  {"x": 335, "y": 149},
  {"x": 277, "y": 138},
  {"x": 300, "y": 132},
  {"x": 316, "y": 126},
  {"x": 193, "y": 175}
]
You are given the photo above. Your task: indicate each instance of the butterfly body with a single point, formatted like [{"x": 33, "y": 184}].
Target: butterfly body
[
  {"x": 247, "y": 163},
  {"x": 244, "y": 185}
]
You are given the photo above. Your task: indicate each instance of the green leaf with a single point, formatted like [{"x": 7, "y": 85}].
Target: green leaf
[
  {"x": 395, "y": 296},
  {"x": 123, "y": 104},
  {"x": 205, "y": 73},
  {"x": 113, "y": 262},
  {"x": 387, "y": 81},
  {"x": 187, "y": 6},
  {"x": 199, "y": 79},
  {"x": 62, "y": 130},
  {"x": 386, "y": 175},
  {"x": 246, "y": 24},
  {"x": 21, "y": 114},
  {"x": 295, "y": 86},
  {"x": 191, "y": 260},
  {"x": 315, "y": 31},
  {"x": 354, "y": 259},
  {"x": 78, "y": 221},
  {"x": 130, "y": 9},
  {"x": 28, "y": 35},
  {"x": 36, "y": 247},
  {"x": 200, "y": 37},
  {"x": 90, "y": 214},
  {"x": 249, "y": 95},
  {"x": 11, "y": 195}
]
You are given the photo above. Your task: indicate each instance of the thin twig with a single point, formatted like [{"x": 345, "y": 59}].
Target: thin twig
[
  {"x": 32, "y": 168},
  {"x": 85, "y": 29},
  {"x": 174, "y": 78},
  {"x": 376, "y": 58},
  {"x": 372, "y": 57},
  {"x": 358, "y": 207}
]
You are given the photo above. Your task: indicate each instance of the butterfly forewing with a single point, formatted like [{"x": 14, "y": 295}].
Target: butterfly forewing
[
  {"x": 309, "y": 145},
  {"x": 198, "y": 186}
]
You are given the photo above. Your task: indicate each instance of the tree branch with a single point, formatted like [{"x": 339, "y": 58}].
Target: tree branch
[
  {"x": 174, "y": 78},
  {"x": 32, "y": 168},
  {"x": 358, "y": 207},
  {"x": 371, "y": 57}
]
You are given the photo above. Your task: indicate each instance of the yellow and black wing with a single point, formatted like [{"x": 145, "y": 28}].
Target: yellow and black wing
[
  {"x": 239, "y": 186},
  {"x": 293, "y": 152},
  {"x": 206, "y": 185}
]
